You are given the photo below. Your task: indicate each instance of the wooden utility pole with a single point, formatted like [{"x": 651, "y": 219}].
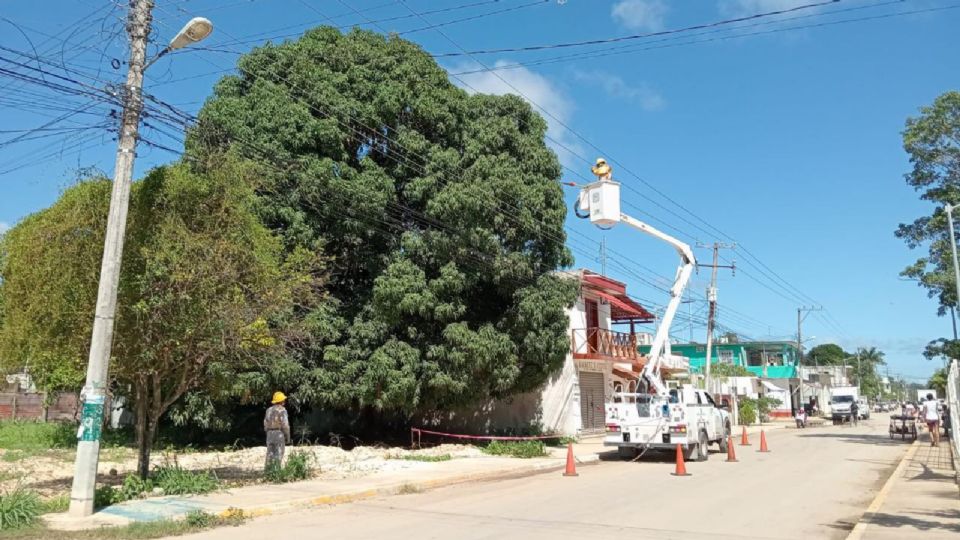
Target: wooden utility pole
[
  {"x": 800, "y": 318},
  {"x": 712, "y": 300}
]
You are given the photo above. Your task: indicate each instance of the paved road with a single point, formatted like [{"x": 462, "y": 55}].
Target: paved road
[{"x": 815, "y": 484}]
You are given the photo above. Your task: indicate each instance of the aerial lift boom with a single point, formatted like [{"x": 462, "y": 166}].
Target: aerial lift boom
[{"x": 601, "y": 200}]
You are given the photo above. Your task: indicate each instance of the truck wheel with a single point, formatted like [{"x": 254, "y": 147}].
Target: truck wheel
[
  {"x": 725, "y": 438},
  {"x": 703, "y": 447}
]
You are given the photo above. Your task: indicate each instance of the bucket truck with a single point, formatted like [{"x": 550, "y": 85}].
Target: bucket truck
[{"x": 657, "y": 417}]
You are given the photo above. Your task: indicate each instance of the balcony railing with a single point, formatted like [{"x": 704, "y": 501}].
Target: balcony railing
[{"x": 603, "y": 343}]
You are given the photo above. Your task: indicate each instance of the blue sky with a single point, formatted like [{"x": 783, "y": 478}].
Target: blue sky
[{"x": 787, "y": 141}]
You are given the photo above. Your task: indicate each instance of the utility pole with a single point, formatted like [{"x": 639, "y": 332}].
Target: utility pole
[
  {"x": 800, "y": 318},
  {"x": 94, "y": 390},
  {"x": 712, "y": 299},
  {"x": 603, "y": 255}
]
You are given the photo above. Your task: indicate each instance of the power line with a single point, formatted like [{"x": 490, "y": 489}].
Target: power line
[
  {"x": 632, "y": 37},
  {"x": 620, "y": 50}
]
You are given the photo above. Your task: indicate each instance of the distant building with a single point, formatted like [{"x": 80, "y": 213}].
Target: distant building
[{"x": 774, "y": 362}]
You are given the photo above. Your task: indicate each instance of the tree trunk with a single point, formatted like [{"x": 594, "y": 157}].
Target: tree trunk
[{"x": 144, "y": 437}]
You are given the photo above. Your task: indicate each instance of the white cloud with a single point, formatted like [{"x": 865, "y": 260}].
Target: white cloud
[
  {"x": 740, "y": 8},
  {"x": 535, "y": 89},
  {"x": 644, "y": 15},
  {"x": 642, "y": 94}
]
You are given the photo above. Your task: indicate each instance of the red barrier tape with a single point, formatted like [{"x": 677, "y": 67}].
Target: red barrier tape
[{"x": 419, "y": 431}]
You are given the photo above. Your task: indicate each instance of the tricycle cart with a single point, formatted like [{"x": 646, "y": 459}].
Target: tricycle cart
[{"x": 903, "y": 425}]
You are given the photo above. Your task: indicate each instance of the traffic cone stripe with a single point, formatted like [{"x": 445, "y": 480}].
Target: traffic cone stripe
[
  {"x": 571, "y": 469},
  {"x": 681, "y": 466}
]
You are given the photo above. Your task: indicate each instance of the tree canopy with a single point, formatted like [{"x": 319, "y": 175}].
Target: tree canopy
[
  {"x": 204, "y": 296},
  {"x": 932, "y": 140},
  {"x": 440, "y": 212},
  {"x": 828, "y": 354}
]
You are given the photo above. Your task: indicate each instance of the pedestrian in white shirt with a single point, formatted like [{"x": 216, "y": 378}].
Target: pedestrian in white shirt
[{"x": 931, "y": 415}]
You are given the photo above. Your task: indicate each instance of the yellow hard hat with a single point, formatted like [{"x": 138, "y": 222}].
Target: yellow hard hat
[
  {"x": 278, "y": 397},
  {"x": 600, "y": 160}
]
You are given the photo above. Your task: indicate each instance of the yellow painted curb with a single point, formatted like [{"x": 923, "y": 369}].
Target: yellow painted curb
[{"x": 861, "y": 526}]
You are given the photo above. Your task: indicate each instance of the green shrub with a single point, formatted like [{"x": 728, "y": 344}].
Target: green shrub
[
  {"x": 517, "y": 449},
  {"x": 171, "y": 480},
  {"x": 200, "y": 519},
  {"x": 296, "y": 468},
  {"x": 177, "y": 481},
  {"x": 430, "y": 459},
  {"x": 747, "y": 411},
  {"x": 19, "y": 508}
]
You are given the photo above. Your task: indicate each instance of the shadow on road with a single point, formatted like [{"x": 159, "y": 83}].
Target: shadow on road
[
  {"x": 859, "y": 438},
  {"x": 900, "y": 520}
]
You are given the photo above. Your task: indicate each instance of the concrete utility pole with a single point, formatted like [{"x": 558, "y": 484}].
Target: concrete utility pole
[
  {"x": 712, "y": 299},
  {"x": 800, "y": 318},
  {"x": 94, "y": 391}
]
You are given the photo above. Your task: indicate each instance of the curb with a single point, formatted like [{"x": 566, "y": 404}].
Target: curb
[
  {"x": 398, "y": 488},
  {"x": 393, "y": 488},
  {"x": 861, "y": 526}
]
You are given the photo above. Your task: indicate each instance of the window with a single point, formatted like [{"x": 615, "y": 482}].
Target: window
[{"x": 726, "y": 356}]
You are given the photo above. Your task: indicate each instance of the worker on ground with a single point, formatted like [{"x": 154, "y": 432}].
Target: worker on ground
[
  {"x": 931, "y": 415},
  {"x": 801, "y": 417},
  {"x": 277, "y": 426},
  {"x": 854, "y": 412}
]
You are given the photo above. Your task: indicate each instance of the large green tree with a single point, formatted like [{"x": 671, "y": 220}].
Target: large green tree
[
  {"x": 440, "y": 211},
  {"x": 205, "y": 295},
  {"x": 932, "y": 141}
]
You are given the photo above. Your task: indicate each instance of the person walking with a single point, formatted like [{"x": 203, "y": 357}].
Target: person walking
[
  {"x": 277, "y": 426},
  {"x": 854, "y": 412},
  {"x": 931, "y": 415}
]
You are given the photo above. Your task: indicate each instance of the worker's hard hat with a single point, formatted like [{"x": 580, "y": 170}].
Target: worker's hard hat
[
  {"x": 278, "y": 397},
  {"x": 601, "y": 161}
]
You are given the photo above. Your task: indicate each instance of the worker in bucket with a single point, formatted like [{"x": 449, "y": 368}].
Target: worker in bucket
[{"x": 277, "y": 426}]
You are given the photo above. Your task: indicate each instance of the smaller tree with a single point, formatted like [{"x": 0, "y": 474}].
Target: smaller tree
[
  {"x": 828, "y": 354},
  {"x": 938, "y": 381}
]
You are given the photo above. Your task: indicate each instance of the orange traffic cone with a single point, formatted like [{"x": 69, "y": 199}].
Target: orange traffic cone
[
  {"x": 743, "y": 438},
  {"x": 681, "y": 466},
  {"x": 731, "y": 453},
  {"x": 571, "y": 465},
  {"x": 763, "y": 442}
]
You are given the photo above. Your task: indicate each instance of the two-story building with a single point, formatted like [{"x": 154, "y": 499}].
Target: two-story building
[
  {"x": 603, "y": 359},
  {"x": 774, "y": 362}
]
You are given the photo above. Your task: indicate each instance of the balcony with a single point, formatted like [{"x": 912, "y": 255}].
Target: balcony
[{"x": 603, "y": 344}]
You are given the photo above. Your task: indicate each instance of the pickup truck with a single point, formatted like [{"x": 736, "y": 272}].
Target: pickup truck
[{"x": 688, "y": 417}]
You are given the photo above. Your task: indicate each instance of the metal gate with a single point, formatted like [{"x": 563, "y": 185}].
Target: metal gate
[{"x": 591, "y": 401}]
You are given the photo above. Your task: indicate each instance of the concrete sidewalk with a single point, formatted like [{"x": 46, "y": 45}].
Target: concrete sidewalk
[
  {"x": 265, "y": 499},
  {"x": 920, "y": 500}
]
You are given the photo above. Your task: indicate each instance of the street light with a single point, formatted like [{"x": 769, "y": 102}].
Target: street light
[
  {"x": 196, "y": 29},
  {"x": 94, "y": 390}
]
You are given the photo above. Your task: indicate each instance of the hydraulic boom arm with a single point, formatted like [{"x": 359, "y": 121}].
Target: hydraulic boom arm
[{"x": 602, "y": 201}]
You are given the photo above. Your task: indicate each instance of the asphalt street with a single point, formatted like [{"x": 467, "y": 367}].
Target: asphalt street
[{"x": 815, "y": 483}]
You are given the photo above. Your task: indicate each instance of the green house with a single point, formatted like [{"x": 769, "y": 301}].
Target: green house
[{"x": 768, "y": 359}]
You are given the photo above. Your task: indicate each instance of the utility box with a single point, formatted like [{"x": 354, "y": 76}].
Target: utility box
[{"x": 602, "y": 201}]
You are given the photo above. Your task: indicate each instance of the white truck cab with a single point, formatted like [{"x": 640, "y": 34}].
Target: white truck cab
[{"x": 688, "y": 417}]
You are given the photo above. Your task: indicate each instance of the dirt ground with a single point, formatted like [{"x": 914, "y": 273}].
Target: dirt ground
[{"x": 50, "y": 473}]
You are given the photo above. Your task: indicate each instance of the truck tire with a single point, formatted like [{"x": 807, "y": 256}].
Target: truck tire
[
  {"x": 725, "y": 439},
  {"x": 703, "y": 448}
]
